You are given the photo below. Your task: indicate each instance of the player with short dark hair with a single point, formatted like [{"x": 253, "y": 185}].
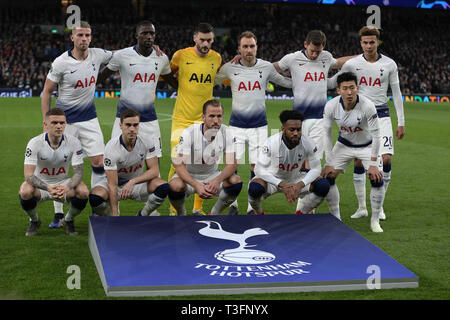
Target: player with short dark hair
[
  {"x": 47, "y": 160},
  {"x": 125, "y": 158},
  {"x": 279, "y": 163},
  {"x": 359, "y": 137},
  {"x": 200, "y": 150},
  {"x": 196, "y": 69},
  {"x": 376, "y": 72}
]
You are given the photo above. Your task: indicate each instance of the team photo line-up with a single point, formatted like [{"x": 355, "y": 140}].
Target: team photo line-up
[{"x": 288, "y": 162}]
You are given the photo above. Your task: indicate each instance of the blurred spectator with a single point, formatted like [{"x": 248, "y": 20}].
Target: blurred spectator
[{"x": 418, "y": 40}]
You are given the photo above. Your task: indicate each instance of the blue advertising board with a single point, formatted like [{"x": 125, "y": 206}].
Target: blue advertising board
[{"x": 147, "y": 256}]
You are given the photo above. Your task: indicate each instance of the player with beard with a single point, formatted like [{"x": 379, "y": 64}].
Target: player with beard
[
  {"x": 248, "y": 80},
  {"x": 279, "y": 163},
  {"x": 196, "y": 69}
]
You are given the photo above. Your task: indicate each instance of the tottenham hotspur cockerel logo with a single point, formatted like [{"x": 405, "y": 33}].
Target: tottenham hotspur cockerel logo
[{"x": 240, "y": 254}]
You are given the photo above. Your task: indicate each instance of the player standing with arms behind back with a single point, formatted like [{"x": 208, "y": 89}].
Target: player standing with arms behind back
[
  {"x": 376, "y": 72},
  {"x": 74, "y": 73},
  {"x": 196, "y": 69}
]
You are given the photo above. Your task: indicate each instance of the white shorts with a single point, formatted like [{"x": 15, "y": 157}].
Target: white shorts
[
  {"x": 139, "y": 193},
  {"x": 90, "y": 136},
  {"x": 200, "y": 178},
  {"x": 45, "y": 195},
  {"x": 254, "y": 137},
  {"x": 148, "y": 131},
  {"x": 313, "y": 128},
  {"x": 387, "y": 137},
  {"x": 342, "y": 156}
]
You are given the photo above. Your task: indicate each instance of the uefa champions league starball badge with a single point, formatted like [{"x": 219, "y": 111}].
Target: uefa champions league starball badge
[{"x": 241, "y": 254}]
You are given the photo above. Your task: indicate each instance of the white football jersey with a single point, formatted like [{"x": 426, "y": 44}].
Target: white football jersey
[
  {"x": 139, "y": 77},
  {"x": 76, "y": 83},
  {"x": 201, "y": 155},
  {"x": 248, "y": 87},
  {"x": 374, "y": 79},
  {"x": 357, "y": 128},
  {"x": 128, "y": 164},
  {"x": 309, "y": 81},
  {"x": 52, "y": 165},
  {"x": 283, "y": 164}
]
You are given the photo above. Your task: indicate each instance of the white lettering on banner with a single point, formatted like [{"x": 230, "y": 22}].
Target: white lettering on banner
[{"x": 232, "y": 271}]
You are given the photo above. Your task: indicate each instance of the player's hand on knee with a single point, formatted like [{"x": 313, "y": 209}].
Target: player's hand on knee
[{"x": 374, "y": 174}]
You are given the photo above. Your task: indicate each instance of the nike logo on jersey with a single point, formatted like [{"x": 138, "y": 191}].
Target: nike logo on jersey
[
  {"x": 357, "y": 69},
  {"x": 132, "y": 64},
  {"x": 73, "y": 71},
  {"x": 189, "y": 62},
  {"x": 43, "y": 159},
  {"x": 301, "y": 64},
  {"x": 236, "y": 74}
]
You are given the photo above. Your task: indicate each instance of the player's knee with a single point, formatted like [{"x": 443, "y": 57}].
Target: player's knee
[
  {"x": 321, "y": 187},
  {"x": 234, "y": 189},
  {"x": 95, "y": 200},
  {"x": 376, "y": 184},
  {"x": 78, "y": 203},
  {"x": 358, "y": 163},
  {"x": 162, "y": 190},
  {"x": 177, "y": 185},
  {"x": 82, "y": 192},
  {"x": 26, "y": 191},
  {"x": 255, "y": 190},
  {"x": 28, "y": 204},
  {"x": 386, "y": 158},
  {"x": 234, "y": 179}
]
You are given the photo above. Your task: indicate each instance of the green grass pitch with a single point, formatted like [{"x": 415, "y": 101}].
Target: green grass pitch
[{"x": 416, "y": 233}]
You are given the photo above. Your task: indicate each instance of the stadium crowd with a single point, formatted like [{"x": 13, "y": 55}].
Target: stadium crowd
[{"x": 417, "y": 39}]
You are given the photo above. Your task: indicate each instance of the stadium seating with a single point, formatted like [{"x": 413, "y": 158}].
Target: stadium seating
[{"x": 416, "y": 39}]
